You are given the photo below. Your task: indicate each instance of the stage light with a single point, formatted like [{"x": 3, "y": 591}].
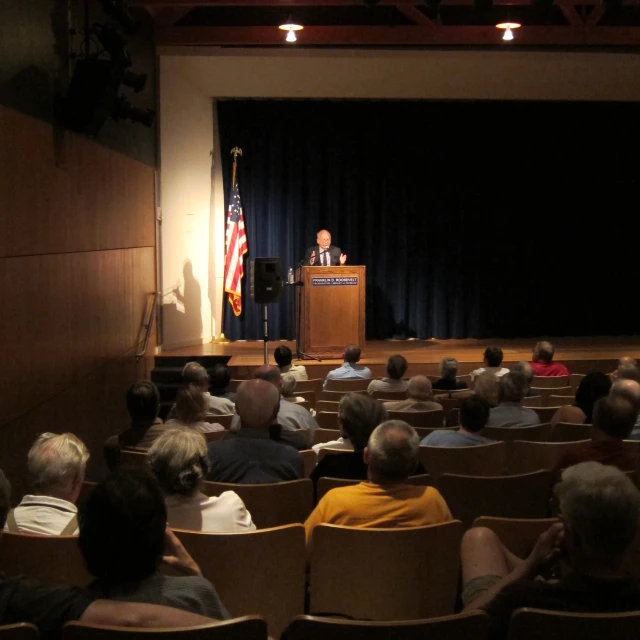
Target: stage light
[
  {"x": 508, "y": 28},
  {"x": 291, "y": 27},
  {"x": 135, "y": 81}
]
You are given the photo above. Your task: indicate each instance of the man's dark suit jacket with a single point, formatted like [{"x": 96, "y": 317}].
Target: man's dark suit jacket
[{"x": 334, "y": 254}]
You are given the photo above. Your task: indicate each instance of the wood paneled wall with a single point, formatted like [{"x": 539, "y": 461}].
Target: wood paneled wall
[{"x": 77, "y": 262}]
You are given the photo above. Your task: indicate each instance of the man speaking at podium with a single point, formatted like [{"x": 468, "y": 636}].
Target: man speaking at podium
[{"x": 323, "y": 254}]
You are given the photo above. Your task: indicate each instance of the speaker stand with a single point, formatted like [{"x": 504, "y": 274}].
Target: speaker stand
[
  {"x": 265, "y": 329},
  {"x": 299, "y": 354}
]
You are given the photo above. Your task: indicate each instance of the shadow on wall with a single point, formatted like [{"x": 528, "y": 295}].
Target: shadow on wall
[{"x": 181, "y": 310}]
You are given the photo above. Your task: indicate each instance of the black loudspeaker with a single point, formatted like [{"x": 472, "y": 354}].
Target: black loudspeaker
[{"x": 266, "y": 280}]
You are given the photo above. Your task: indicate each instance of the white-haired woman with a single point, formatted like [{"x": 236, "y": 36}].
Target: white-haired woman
[{"x": 179, "y": 460}]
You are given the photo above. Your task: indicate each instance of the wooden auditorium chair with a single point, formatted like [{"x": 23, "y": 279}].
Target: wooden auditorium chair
[
  {"x": 521, "y": 496},
  {"x": 525, "y": 457},
  {"x": 473, "y": 625},
  {"x": 225, "y": 419},
  {"x": 547, "y": 392},
  {"x": 561, "y": 401},
  {"x": 314, "y": 385},
  {"x": 325, "y": 435},
  {"x": 258, "y": 572},
  {"x": 325, "y": 484},
  {"x": 214, "y": 436},
  {"x": 309, "y": 461},
  {"x": 389, "y": 396},
  {"x": 385, "y": 574},
  {"x": 327, "y": 420},
  {"x": 133, "y": 458},
  {"x": 430, "y": 419},
  {"x": 19, "y": 631},
  {"x": 545, "y": 413},
  {"x": 330, "y": 406},
  {"x": 519, "y": 535},
  {"x": 569, "y": 432},
  {"x": 545, "y": 382},
  {"x": 244, "y": 628},
  {"x": 532, "y": 401},
  {"x": 481, "y": 460},
  {"x": 309, "y": 397},
  {"x": 347, "y": 385},
  {"x": 575, "y": 379},
  {"x": 537, "y": 433},
  {"x": 273, "y": 504}
]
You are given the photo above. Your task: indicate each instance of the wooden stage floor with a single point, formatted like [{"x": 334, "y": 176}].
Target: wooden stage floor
[{"x": 579, "y": 354}]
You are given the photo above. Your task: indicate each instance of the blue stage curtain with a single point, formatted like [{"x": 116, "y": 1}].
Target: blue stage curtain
[{"x": 474, "y": 219}]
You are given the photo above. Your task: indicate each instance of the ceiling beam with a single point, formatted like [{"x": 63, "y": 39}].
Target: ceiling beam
[
  {"x": 414, "y": 14},
  {"x": 333, "y": 3},
  {"x": 400, "y": 36}
]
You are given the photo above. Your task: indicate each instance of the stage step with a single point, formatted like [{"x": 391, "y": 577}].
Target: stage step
[{"x": 208, "y": 362}]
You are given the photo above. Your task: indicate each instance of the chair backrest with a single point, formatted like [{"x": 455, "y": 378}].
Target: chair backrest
[
  {"x": 347, "y": 385},
  {"x": 53, "y": 559},
  {"x": 309, "y": 397},
  {"x": 309, "y": 460},
  {"x": 327, "y": 451},
  {"x": 545, "y": 413},
  {"x": 547, "y": 392},
  {"x": 453, "y": 417},
  {"x": 473, "y": 625},
  {"x": 521, "y": 496},
  {"x": 549, "y": 381},
  {"x": 519, "y": 535},
  {"x": 532, "y": 401},
  {"x": 85, "y": 491},
  {"x": 327, "y": 405},
  {"x": 336, "y": 396},
  {"x": 270, "y": 505},
  {"x": 133, "y": 458},
  {"x": 245, "y": 628},
  {"x": 314, "y": 385},
  {"x": 538, "y": 433},
  {"x": 325, "y": 484},
  {"x": 433, "y": 419},
  {"x": 481, "y": 460},
  {"x": 567, "y": 432},
  {"x": 449, "y": 403},
  {"x": 325, "y": 435},
  {"x": 234, "y": 384},
  {"x": 390, "y": 395},
  {"x": 534, "y": 624},
  {"x": 561, "y": 401},
  {"x": 575, "y": 379},
  {"x": 327, "y": 420},
  {"x": 224, "y": 419},
  {"x": 525, "y": 457},
  {"x": 19, "y": 631},
  {"x": 415, "y": 573},
  {"x": 464, "y": 378},
  {"x": 259, "y": 572},
  {"x": 214, "y": 436}
]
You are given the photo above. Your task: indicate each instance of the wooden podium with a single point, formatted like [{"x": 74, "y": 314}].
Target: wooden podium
[{"x": 331, "y": 308}]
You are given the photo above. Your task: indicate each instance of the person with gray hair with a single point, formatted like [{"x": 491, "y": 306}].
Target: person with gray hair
[
  {"x": 510, "y": 412},
  {"x": 180, "y": 463},
  {"x": 396, "y": 368},
  {"x": 525, "y": 369},
  {"x": 195, "y": 374},
  {"x": 56, "y": 465},
  {"x": 289, "y": 384},
  {"x": 420, "y": 397},
  {"x": 542, "y": 361},
  {"x": 600, "y": 509},
  {"x": 385, "y": 500},
  {"x": 448, "y": 381},
  {"x": 630, "y": 390}
]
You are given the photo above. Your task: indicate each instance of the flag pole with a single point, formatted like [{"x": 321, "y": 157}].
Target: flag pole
[{"x": 221, "y": 339}]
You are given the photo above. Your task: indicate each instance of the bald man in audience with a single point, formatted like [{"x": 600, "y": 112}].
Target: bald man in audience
[
  {"x": 420, "y": 397},
  {"x": 627, "y": 371},
  {"x": 385, "y": 499},
  {"x": 624, "y": 361},
  {"x": 542, "y": 361},
  {"x": 56, "y": 465},
  {"x": 630, "y": 391},
  {"x": 250, "y": 455},
  {"x": 525, "y": 369}
]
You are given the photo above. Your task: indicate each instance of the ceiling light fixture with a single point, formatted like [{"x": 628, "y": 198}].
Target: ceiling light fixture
[
  {"x": 508, "y": 28},
  {"x": 291, "y": 27}
]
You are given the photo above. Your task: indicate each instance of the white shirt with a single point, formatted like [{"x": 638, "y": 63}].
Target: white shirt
[
  {"x": 224, "y": 514},
  {"x": 218, "y": 406},
  {"x": 45, "y": 515},
  {"x": 298, "y": 371},
  {"x": 340, "y": 443},
  {"x": 498, "y": 371},
  {"x": 387, "y": 384}
]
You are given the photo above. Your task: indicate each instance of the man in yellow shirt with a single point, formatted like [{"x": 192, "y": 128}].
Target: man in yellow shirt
[{"x": 385, "y": 500}]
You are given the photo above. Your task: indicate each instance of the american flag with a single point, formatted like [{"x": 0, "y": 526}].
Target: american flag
[{"x": 236, "y": 241}]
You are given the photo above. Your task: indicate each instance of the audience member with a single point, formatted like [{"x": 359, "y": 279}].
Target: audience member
[
  {"x": 396, "y": 368},
  {"x": 350, "y": 369},
  {"x": 448, "y": 380},
  {"x": 628, "y": 371},
  {"x": 296, "y": 423},
  {"x": 51, "y": 607},
  {"x": 510, "y": 412},
  {"x": 600, "y": 508},
  {"x": 385, "y": 500},
  {"x": 179, "y": 460},
  {"x": 474, "y": 414},
  {"x": 613, "y": 420},
  {"x": 630, "y": 391},
  {"x": 492, "y": 363},
  {"x": 487, "y": 386},
  {"x": 420, "y": 397},
  {"x": 190, "y": 411},
  {"x": 289, "y": 389},
  {"x": 123, "y": 540},
  {"x": 283, "y": 356},
  {"x": 56, "y": 465},
  {"x": 623, "y": 362},
  {"x": 543, "y": 364},
  {"x": 143, "y": 403},
  {"x": 250, "y": 456},
  {"x": 525, "y": 369},
  {"x": 593, "y": 386},
  {"x": 195, "y": 374},
  {"x": 219, "y": 382},
  {"x": 358, "y": 416}
]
